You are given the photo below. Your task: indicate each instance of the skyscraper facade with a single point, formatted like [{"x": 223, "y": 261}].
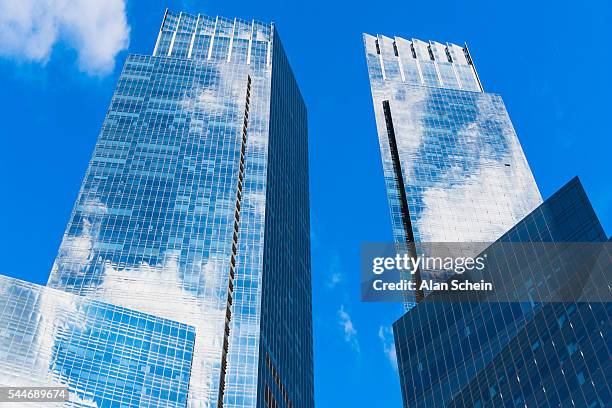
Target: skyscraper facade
[
  {"x": 454, "y": 168},
  {"x": 195, "y": 209},
  {"x": 517, "y": 354}
]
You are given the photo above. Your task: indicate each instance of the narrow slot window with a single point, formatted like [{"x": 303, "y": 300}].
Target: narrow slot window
[
  {"x": 431, "y": 54},
  {"x": 413, "y": 50},
  {"x": 448, "y": 55},
  {"x": 397, "y": 168},
  {"x": 467, "y": 56}
]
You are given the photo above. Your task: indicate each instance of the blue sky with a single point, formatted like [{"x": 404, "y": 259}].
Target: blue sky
[{"x": 549, "y": 60}]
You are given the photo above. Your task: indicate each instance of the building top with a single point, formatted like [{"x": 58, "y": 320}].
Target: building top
[
  {"x": 418, "y": 62},
  {"x": 202, "y": 37}
]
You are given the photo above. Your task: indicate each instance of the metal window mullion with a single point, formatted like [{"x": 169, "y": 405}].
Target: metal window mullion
[
  {"x": 195, "y": 31},
  {"x": 231, "y": 42},
  {"x": 161, "y": 29},
  {"x": 471, "y": 64},
  {"x": 418, "y": 64},
  {"x": 457, "y": 76},
  {"x": 435, "y": 62},
  {"x": 455, "y": 70},
  {"x": 440, "y": 81},
  {"x": 250, "y": 42},
  {"x": 178, "y": 23},
  {"x": 382, "y": 62},
  {"x": 212, "y": 38},
  {"x": 399, "y": 62},
  {"x": 269, "y": 48}
]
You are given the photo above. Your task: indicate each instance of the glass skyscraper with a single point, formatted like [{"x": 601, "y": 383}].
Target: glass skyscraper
[
  {"x": 454, "y": 168},
  {"x": 455, "y": 172},
  {"x": 195, "y": 208},
  {"x": 514, "y": 354}
]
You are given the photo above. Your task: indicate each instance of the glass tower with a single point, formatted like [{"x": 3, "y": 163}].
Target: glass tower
[
  {"x": 454, "y": 168},
  {"x": 455, "y": 172},
  {"x": 195, "y": 209},
  {"x": 514, "y": 354}
]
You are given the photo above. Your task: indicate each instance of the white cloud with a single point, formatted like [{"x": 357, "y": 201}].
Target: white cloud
[
  {"x": 216, "y": 100},
  {"x": 480, "y": 213},
  {"x": 385, "y": 334},
  {"x": 335, "y": 272},
  {"x": 76, "y": 251},
  {"x": 96, "y": 29},
  {"x": 482, "y": 195},
  {"x": 334, "y": 279},
  {"x": 350, "y": 333}
]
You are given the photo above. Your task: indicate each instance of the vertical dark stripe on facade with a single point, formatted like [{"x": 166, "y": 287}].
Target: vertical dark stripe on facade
[
  {"x": 286, "y": 302},
  {"x": 399, "y": 179},
  {"x": 230, "y": 286}
]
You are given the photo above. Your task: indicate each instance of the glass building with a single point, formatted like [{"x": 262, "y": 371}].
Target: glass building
[
  {"x": 455, "y": 172},
  {"x": 453, "y": 166},
  {"x": 106, "y": 355},
  {"x": 514, "y": 354},
  {"x": 195, "y": 208}
]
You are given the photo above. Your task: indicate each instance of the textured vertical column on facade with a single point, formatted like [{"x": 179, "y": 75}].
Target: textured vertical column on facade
[{"x": 230, "y": 288}]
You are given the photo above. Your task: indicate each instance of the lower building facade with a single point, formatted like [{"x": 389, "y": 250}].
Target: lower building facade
[
  {"x": 105, "y": 355},
  {"x": 513, "y": 354}
]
